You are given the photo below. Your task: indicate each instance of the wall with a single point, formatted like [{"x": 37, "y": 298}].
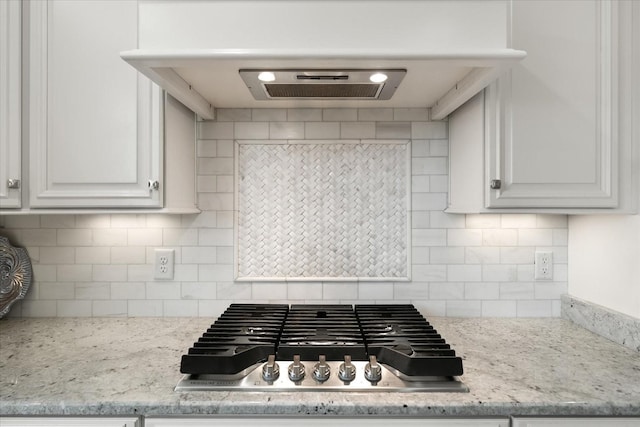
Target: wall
[
  {"x": 605, "y": 261},
  {"x": 473, "y": 265}
]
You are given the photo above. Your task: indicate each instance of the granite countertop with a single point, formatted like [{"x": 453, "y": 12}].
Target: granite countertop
[{"x": 127, "y": 366}]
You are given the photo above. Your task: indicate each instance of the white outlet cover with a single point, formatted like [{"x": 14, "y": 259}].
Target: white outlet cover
[
  {"x": 543, "y": 266},
  {"x": 163, "y": 265}
]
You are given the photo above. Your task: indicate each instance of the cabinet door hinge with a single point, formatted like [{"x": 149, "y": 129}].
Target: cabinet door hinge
[
  {"x": 154, "y": 184},
  {"x": 495, "y": 184}
]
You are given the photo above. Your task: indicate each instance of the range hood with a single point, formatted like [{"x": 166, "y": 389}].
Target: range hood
[{"x": 322, "y": 53}]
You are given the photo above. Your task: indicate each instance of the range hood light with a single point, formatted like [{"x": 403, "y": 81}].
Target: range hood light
[
  {"x": 378, "y": 77},
  {"x": 266, "y": 76}
]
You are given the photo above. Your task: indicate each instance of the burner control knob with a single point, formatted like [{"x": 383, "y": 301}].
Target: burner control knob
[
  {"x": 321, "y": 370},
  {"x": 373, "y": 371},
  {"x": 296, "y": 369},
  {"x": 271, "y": 370},
  {"x": 347, "y": 371}
]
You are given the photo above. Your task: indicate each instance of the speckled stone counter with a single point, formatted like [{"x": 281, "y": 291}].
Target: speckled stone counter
[{"x": 130, "y": 366}]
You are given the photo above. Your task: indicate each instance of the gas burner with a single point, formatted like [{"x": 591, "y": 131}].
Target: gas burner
[{"x": 322, "y": 348}]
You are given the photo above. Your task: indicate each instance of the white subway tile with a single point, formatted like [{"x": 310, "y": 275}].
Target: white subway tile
[
  {"x": 304, "y": 291},
  {"x": 429, "y": 165},
  {"x": 441, "y": 219},
  {"x": 144, "y": 236},
  {"x": 224, "y": 255},
  {"x": 439, "y": 183},
  {"x": 73, "y": 308},
  {"x": 499, "y": 309},
  {"x": 286, "y": 130},
  {"x": 552, "y": 221},
  {"x": 431, "y": 308},
  {"x": 233, "y": 291},
  {"x": 225, "y": 219},
  {"x": 535, "y": 237},
  {"x": 411, "y": 114},
  {"x": 392, "y": 130},
  {"x": 114, "y": 308},
  {"x": 163, "y": 290},
  {"x": 144, "y": 308},
  {"x": 525, "y": 272},
  {"x": 213, "y": 308},
  {"x": 304, "y": 114},
  {"x": 56, "y": 290},
  {"x": 207, "y": 183},
  {"x": 428, "y": 273},
  {"x": 93, "y": 255},
  {"x": 139, "y": 272},
  {"x": 482, "y": 255},
  {"x": 58, "y": 221},
  {"x": 216, "y": 272},
  {"x": 201, "y": 220},
  {"x": 128, "y": 290},
  {"x": 375, "y": 114},
  {"x": 179, "y": 308},
  {"x": 420, "y": 255},
  {"x": 499, "y": 273},
  {"x": 233, "y": 114},
  {"x": 538, "y": 308},
  {"x": 464, "y": 308},
  {"x": 420, "y": 148},
  {"x": 322, "y": 130},
  {"x": 481, "y": 291},
  {"x": 186, "y": 273},
  {"x": 214, "y": 130},
  {"x": 251, "y": 130},
  {"x": 22, "y": 221},
  {"x": 420, "y": 183},
  {"x": 93, "y": 291},
  {"x": 198, "y": 254},
  {"x": 428, "y": 237},
  {"x": 164, "y": 221},
  {"x": 268, "y": 114},
  {"x": 225, "y": 184},
  {"x": 464, "y": 237},
  {"x": 45, "y": 273},
  {"x": 518, "y": 221},
  {"x": 206, "y": 148},
  {"x": 410, "y": 290},
  {"x": 439, "y": 147},
  {"x": 75, "y": 237},
  {"x": 560, "y": 272},
  {"x": 375, "y": 290},
  {"x": 225, "y": 148},
  {"x": 464, "y": 273},
  {"x": 128, "y": 255},
  {"x": 517, "y": 255},
  {"x": 550, "y": 290},
  {"x": 93, "y": 221},
  {"x": 420, "y": 219},
  {"x": 429, "y": 130},
  {"x": 446, "y": 291},
  {"x": 199, "y": 290},
  {"x": 128, "y": 221},
  {"x": 110, "y": 237},
  {"x": 339, "y": 291},
  {"x": 37, "y": 237},
  {"x": 56, "y": 255},
  {"x": 428, "y": 201},
  {"x": 560, "y": 237},
  {"x": 340, "y": 114},
  {"x": 41, "y": 308},
  {"x": 109, "y": 273},
  {"x": 215, "y": 166},
  {"x": 269, "y": 291},
  {"x": 447, "y": 255},
  {"x": 516, "y": 291},
  {"x": 74, "y": 273},
  {"x": 179, "y": 237},
  {"x": 215, "y": 201},
  {"x": 215, "y": 237},
  {"x": 500, "y": 237},
  {"x": 483, "y": 221},
  {"x": 357, "y": 130}
]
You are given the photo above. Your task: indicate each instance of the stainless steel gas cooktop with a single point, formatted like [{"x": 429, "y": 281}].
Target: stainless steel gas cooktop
[{"x": 276, "y": 347}]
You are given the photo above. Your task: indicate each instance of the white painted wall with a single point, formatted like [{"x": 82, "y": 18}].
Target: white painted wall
[{"x": 604, "y": 267}]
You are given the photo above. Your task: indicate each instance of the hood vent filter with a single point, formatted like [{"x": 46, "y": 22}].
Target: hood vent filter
[{"x": 322, "y": 84}]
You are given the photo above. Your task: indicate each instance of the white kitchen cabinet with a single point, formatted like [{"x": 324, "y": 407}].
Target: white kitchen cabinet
[
  {"x": 557, "y": 132},
  {"x": 10, "y": 104},
  {"x": 315, "y": 421},
  {"x": 576, "y": 422},
  {"x": 95, "y": 130},
  {"x": 69, "y": 422}
]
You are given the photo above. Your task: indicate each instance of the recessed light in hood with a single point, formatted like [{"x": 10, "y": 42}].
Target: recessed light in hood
[{"x": 322, "y": 84}]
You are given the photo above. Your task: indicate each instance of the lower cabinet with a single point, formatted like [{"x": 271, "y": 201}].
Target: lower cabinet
[
  {"x": 70, "y": 422},
  {"x": 313, "y": 421}
]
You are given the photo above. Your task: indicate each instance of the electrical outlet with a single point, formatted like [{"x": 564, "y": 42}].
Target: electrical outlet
[
  {"x": 163, "y": 268},
  {"x": 543, "y": 269}
]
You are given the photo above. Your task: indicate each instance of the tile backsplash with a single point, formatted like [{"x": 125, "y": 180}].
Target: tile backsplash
[{"x": 461, "y": 265}]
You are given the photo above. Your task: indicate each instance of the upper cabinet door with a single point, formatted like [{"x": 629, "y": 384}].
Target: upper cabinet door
[
  {"x": 10, "y": 104},
  {"x": 553, "y": 122},
  {"x": 94, "y": 123}
]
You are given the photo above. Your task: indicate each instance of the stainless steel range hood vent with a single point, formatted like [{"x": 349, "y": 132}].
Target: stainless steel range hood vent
[{"x": 323, "y": 84}]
